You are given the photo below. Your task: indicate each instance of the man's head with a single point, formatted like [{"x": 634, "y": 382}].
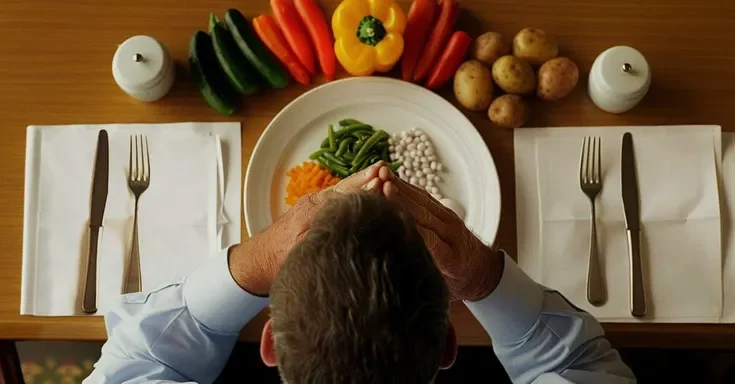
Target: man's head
[{"x": 359, "y": 300}]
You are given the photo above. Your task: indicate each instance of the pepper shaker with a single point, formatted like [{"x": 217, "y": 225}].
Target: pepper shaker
[
  {"x": 143, "y": 68},
  {"x": 619, "y": 79}
]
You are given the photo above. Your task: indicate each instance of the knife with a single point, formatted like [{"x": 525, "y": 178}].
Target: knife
[
  {"x": 97, "y": 212},
  {"x": 629, "y": 182}
]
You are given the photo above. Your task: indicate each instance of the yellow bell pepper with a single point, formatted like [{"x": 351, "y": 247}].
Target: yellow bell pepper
[{"x": 368, "y": 35}]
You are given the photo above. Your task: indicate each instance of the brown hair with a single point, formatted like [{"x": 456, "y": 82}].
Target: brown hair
[{"x": 360, "y": 299}]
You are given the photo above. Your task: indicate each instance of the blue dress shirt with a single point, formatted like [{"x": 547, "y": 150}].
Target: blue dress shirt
[{"x": 184, "y": 332}]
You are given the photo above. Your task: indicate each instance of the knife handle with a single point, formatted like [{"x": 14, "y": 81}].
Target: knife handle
[
  {"x": 637, "y": 295},
  {"x": 89, "y": 302}
]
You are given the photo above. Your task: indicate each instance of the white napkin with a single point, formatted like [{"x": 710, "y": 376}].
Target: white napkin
[
  {"x": 174, "y": 216},
  {"x": 680, "y": 219},
  {"x": 728, "y": 227}
]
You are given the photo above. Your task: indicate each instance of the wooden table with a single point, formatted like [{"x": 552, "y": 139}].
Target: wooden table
[{"x": 55, "y": 69}]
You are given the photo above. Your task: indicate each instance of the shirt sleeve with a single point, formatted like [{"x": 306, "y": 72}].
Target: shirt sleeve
[
  {"x": 181, "y": 333},
  {"x": 540, "y": 337}
]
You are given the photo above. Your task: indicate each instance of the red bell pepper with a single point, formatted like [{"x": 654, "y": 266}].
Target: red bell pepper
[
  {"x": 450, "y": 60},
  {"x": 269, "y": 33},
  {"x": 438, "y": 38},
  {"x": 290, "y": 22},
  {"x": 419, "y": 22},
  {"x": 313, "y": 19}
]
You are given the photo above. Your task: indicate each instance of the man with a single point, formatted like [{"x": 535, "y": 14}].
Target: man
[{"x": 359, "y": 299}]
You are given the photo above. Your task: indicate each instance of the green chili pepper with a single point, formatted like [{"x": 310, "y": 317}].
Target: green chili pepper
[
  {"x": 369, "y": 144},
  {"x": 332, "y": 139}
]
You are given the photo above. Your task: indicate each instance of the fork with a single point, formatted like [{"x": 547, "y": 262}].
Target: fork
[
  {"x": 590, "y": 181},
  {"x": 139, "y": 178}
]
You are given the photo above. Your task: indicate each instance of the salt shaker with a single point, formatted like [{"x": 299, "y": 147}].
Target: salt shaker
[
  {"x": 619, "y": 79},
  {"x": 143, "y": 68}
]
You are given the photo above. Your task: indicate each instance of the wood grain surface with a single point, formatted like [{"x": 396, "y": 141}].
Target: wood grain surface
[{"x": 55, "y": 68}]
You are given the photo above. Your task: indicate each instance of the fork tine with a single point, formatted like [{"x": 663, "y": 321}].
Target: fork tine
[
  {"x": 148, "y": 161},
  {"x": 138, "y": 160},
  {"x": 599, "y": 160},
  {"x": 593, "y": 161},
  {"x": 590, "y": 159},
  {"x": 130, "y": 160},
  {"x": 582, "y": 165}
]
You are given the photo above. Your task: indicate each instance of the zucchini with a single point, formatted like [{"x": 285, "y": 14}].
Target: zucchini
[
  {"x": 241, "y": 75},
  {"x": 208, "y": 76},
  {"x": 254, "y": 51}
]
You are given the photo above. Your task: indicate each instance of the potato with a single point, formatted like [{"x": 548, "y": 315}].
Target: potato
[
  {"x": 508, "y": 111},
  {"x": 473, "y": 85},
  {"x": 534, "y": 46},
  {"x": 489, "y": 47},
  {"x": 556, "y": 78},
  {"x": 514, "y": 75}
]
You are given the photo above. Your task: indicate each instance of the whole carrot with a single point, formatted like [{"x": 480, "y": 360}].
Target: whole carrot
[
  {"x": 269, "y": 33},
  {"x": 438, "y": 38},
  {"x": 290, "y": 23},
  {"x": 419, "y": 22},
  {"x": 313, "y": 19}
]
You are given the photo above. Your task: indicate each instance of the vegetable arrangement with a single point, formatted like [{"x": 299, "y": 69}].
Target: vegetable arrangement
[
  {"x": 307, "y": 178},
  {"x": 240, "y": 56},
  {"x": 515, "y": 74}
]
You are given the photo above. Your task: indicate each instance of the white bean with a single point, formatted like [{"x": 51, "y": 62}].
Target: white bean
[
  {"x": 393, "y": 156},
  {"x": 391, "y": 148},
  {"x": 399, "y": 157},
  {"x": 409, "y": 172},
  {"x": 429, "y": 183},
  {"x": 439, "y": 167},
  {"x": 433, "y": 165},
  {"x": 418, "y": 132},
  {"x": 412, "y": 130},
  {"x": 435, "y": 190},
  {"x": 404, "y": 134},
  {"x": 408, "y": 164},
  {"x": 413, "y": 180},
  {"x": 416, "y": 164},
  {"x": 422, "y": 182},
  {"x": 401, "y": 174},
  {"x": 419, "y": 174},
  {"x": 424, "y": 138},
  {"x": 438, "y": 196},
  {"x": 426, "y": 171},
  {"x": 421, "y": 147},
  {"x": 429, "y": 151},
  {"x": 398, "y": 148},
  {"x": 406, "y": 153},
  {"x": 401, "y": 168},
  {"x": 390, "y": 141},
  {"x": 430, "y": 177},
  {"x": 413, "y": 153},
  {"x": 431, "y": 157},
  {"x": 437, "y": 179},
  {"x": 411, "y": 147}
]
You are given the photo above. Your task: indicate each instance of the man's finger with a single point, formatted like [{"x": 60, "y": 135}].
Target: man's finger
[
  {"x": 422, "y": 198},
  {"x": 440, "y": 250},
  {"x": 420, "y": 213},
  {"x": 358, "y": 180}
]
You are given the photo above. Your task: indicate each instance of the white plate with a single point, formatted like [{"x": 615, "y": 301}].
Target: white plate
[{"x": 393, "y": 105}]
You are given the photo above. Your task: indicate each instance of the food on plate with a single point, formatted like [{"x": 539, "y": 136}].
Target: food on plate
[
  {"x": 534, "y": 46},
  {"x": 419, "y": 22},
  {"x": 473, "y": 86},
  {"x": 489, "y": 47},
  {"x": 508, "y": 111},
  {"x": 420, "y": 164},
  {"x": 353, "y": 147},
  {"x": 450, "y": 60},
  {"x": 454, "y": 206},
  {"x": 288, "y": 19},
  {"x": 514, "y": 75},
  {"x": 270, "y": 34},
  {"x": 241, "y": 75},
  {"x": 254, "y": 51},
  {"x": 368, "y": 35},
  {"x": 556, "y": 78},
  {"x": 316, "y": 25},
  {"x": 307, "y": 178},
  {"x": 208, "y": 75},
  {"x": 448, "y": 15}
]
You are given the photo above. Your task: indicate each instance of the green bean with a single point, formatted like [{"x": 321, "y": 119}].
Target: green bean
[
  {"x": 338, "y": 169},
  {"x": 395, "y": 165},
  {"x": 332, "y": 139},
  {"x": 349, "y": 156},
  {"x": 331, "y": 157},
  {"x": 346, "y": 122},
  {"x": 356, "y": 147},
  {"x": 344, "y": 145},
  {"x": 369, "y": 144},
  {"x": 366, "y": 163},
  {"x": 384, "y": 155},
  {"x": 318, "y": 153}
]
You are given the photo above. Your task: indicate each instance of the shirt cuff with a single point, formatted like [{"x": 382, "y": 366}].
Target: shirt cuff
[
  {"x": 216, "y": 301},
  {"x": 509, "y": 312}
]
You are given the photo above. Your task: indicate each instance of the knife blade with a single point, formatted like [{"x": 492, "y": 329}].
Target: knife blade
[
  {"x": 631, "y": 208},
  {"x": 98, "y": 201}
]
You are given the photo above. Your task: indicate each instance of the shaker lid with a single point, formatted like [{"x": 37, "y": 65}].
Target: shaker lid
[
  {"x": 624, "y": 70},
  {"x": 140, "y": 63}
]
